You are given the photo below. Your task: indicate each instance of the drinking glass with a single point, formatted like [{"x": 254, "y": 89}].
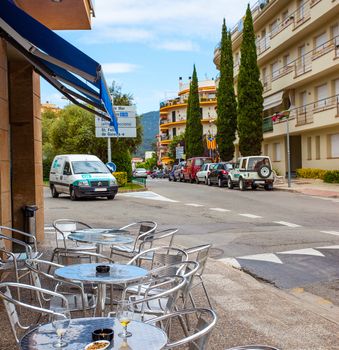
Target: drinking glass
[
  {"x": 125, "y": 315},
  {"x": 60, "y": 321}
]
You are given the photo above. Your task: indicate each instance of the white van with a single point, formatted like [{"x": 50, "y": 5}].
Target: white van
[{"x": 81, "y": 175}]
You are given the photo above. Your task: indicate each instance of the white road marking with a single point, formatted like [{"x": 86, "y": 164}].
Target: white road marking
[
  {"x": 220, "y": 209},
  {"x": 263, "y": 257},
  {"x": 147, "y": 195},
  {"x": 306, "y": 251},
  {"x": 285, "y": 223},
  {"x": 252, "y": 216},
  {"x": 194, "y": 205},
  {"x": 330, "y": 247},
  {"x": 231, "y": 261},
  {"x": 336, "y": 233}
]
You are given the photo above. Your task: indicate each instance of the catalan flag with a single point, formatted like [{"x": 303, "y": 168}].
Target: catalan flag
[{"x": 211, "y": 142}]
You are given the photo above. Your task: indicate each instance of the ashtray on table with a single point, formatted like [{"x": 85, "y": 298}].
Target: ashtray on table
[{"x": 102, "y": 269}]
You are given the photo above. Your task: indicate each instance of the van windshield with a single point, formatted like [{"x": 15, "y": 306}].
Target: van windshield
[{"x": 89, "y": 167}]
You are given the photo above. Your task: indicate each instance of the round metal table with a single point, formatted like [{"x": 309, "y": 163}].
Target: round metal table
[
  {"x": 118, "y": 274},
  {"x": 79, "y": 334}
]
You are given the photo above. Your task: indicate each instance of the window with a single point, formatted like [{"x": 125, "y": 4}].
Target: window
[
  {"x": 301, "y": 10},
  {"x": 201, "y": 115},
  {"x": 173, "y": 116},
  {"x": 317, "y": 147},
  {"x": 320, "y": 40},
  {"x": 309, "y": 148},
  {"x": 266, "y": 149},
  {"x": 243, "y": 164},
  {"x": 335, "y": 31},
  {"x": 336, "y": 87},
  {"x": 67, "y": 169},
  {"x": 274, "y": 27},
  {"x": 334, "y": 146},
  {"x": 277, "y": 152},
  {"x": 321, "y": 95},
  {"x": 174, "y": 132},
  {"x": 284, "y": 15},
  {"x": 275, "y": 69},
  {"x": 286, "y": 59}
]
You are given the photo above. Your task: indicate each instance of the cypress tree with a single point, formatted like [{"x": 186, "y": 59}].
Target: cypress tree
[
  {"x": 250, "y": 100},
  {"x": 193, "y": 136},
  {"x": 226, "y": 103}
]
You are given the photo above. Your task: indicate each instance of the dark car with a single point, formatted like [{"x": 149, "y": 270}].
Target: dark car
[
  {"x": 158, "y": 174},
  {"x": 178, "y": 173},
  {"x": 219, "y": 174},
  {"x": 171, "y": 175}
]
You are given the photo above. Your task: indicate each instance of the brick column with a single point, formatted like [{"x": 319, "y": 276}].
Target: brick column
[{"x": 26, "y": 143}]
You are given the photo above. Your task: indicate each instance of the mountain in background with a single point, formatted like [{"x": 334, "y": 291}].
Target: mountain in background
[{"x": 150, "y": 125}]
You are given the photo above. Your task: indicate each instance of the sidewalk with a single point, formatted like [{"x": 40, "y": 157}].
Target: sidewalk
[{"x": 311, "y": 187}]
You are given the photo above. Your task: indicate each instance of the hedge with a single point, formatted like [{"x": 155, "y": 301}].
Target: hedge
[
  {"x": 121, "y": 177},
  {"x": 330, "y": 176}
]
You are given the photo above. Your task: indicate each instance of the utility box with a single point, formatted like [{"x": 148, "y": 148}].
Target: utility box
[{"x": 30, "y": 221}]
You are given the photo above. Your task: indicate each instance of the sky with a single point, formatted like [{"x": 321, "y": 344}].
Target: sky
[{"x": 146, "y": 45}]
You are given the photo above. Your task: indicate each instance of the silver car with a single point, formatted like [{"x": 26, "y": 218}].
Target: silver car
[{"x": 140, "y": 172}]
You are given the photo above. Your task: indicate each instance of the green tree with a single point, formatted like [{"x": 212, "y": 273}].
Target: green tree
[
  {"x": 250, "y": 100},
  {"x": 193, "y": 134},
  {"x": 226, "y": 102}
]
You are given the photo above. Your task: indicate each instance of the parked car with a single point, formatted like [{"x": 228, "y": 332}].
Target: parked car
[
  {"x": 140, "y": 172},
  {"x": 193, "y": 165},
  {"x": 203, "y": 173},
  {"x": 219, "y": 174},
  {"x": 171, "y": 175},
  {"x": 253, "y": 171},
  {"x": 158, "y": 174},
  {"x": 81, "y": 175},
  {"x": 178, "y": 173}
]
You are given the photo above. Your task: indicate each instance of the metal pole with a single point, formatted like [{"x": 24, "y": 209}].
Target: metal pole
[
  {"x": 288, "y": 153},
  {"x": 109, "y": 151}
]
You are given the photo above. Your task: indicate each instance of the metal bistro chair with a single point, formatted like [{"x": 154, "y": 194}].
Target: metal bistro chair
[
  {"x": 63, "y": 228},
  {"x": 199, "y": 254},
  {"x": 139, "y": 229},
  {"x": 11, "y": 303},
  {"x": 14, "y": 262},
  {"x": 198, "y": 338}
]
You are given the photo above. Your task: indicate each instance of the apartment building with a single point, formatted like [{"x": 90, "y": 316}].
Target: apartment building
[
  {"x": 29, "y": 49},
  {"x": 298, "y": 57},
  {"x": 173, "y": 115}
]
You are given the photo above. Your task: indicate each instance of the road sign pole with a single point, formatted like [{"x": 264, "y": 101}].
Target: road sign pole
[{"x": 109, "y": 150}]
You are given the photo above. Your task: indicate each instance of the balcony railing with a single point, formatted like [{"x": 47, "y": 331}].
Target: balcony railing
[
  {"x": 305, "y": 114},
  {"x": 164, "y": 137},
  {"x": 302, "y": 64}
]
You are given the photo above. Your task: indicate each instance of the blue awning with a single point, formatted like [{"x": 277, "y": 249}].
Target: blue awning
[{"x": 76, "y": 75}]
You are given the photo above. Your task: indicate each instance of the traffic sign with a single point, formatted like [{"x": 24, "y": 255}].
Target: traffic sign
[
  {"x": 110, "y": 132},
  {"x": 179, "y": 151}
]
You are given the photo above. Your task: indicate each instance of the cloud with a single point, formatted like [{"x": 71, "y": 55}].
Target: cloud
[
  {"x": 116, "y": 67},
  {"x": 178, "y": 46}
]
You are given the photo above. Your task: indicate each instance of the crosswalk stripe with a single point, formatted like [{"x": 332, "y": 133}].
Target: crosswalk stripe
[
  {"x": 219, "y": 209},
  {"x": 306, "y": 251},
  {"x": 336, "y": 233},
  {"x": 194, "y": 205},
  {"x": 252, "y": 216},
  {"x": 285, "y": 223}
]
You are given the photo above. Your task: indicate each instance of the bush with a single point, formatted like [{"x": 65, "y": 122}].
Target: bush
[
  {"x": 311, "y": 173},
  {"x": 331, "y": 176},
  {"x": 121, "y": 177}
]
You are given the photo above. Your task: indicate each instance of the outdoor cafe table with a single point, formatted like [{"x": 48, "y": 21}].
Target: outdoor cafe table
[
  {"x": 79, "y": 334},
  {"x": 86, "y": 273},
  {"x": 101, "y": 237}
]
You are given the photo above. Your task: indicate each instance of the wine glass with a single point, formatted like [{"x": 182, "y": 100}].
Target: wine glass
[
  {"x": 125, "y": 315},
  {"x": 60, "y": 321}
]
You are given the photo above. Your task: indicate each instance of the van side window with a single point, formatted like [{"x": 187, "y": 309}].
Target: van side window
[{"x": 67, "y": 169}]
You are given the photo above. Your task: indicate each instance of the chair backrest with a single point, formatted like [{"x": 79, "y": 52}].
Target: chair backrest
[
  {"x": 11, "y": 302},
  {"x": 163, "y": 238},
  {"x": 71, "y": 257},
  {"x": 10, "y": 232},
  {"x": 64, "y": 227},
  {"x": 253, "y": 347},
  {"x": 199, "y": 254},
  {"x": 197, "y": 338}
]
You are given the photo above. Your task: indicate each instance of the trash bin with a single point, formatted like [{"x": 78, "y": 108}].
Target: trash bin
[{"x": 30, "y": 221}]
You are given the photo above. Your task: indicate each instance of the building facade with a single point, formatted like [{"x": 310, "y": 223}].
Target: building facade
[
  {"x": 298, "y": 57},
  {"x": 21, "y": 181},
  {"x": 173, "y": 116}
]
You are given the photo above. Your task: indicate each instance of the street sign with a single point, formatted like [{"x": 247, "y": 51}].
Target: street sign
[
  {"x": 179, "y": 151},
  {"x": 110, "y": 132},
  {"x": 124, "y": 109},
  {"x": 122, "y": 122}
]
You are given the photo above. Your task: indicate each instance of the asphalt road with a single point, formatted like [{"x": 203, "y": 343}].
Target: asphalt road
[{"x": 287, "y": 239}]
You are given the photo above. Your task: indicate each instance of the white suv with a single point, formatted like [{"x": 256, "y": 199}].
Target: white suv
[{"x": 252, "y": 172}]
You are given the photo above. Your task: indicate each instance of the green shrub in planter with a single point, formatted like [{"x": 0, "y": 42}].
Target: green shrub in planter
[
  {"x": 311, "y": 173},
  {"x": 121, "y": 177},
  {"x": 332, "y": 176}
]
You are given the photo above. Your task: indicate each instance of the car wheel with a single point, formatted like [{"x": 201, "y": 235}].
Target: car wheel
[
  {"x": 242, "y": 186},
  {"x": 229, "y": 183},
  {"x": 180, "y": 179},
  {"x": 254, "y": 186},
  {"x": 268, "y": 187},
  {"x": 54, "y": 192},
  {"x": 197, "y": 180},
  {"x": 110, "y": 197},
  {"x": 220, "y": 184},
  {"x": 264, "y": 171},
  {"x": 174, "y": 179},
  {"x": 209, "y": 183},
  {"x": 73, "y": 195},
  {"x": 169, "y": 178},
  {"x": 191, "y": 180},
  {"x": 205, "y": 180}
]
